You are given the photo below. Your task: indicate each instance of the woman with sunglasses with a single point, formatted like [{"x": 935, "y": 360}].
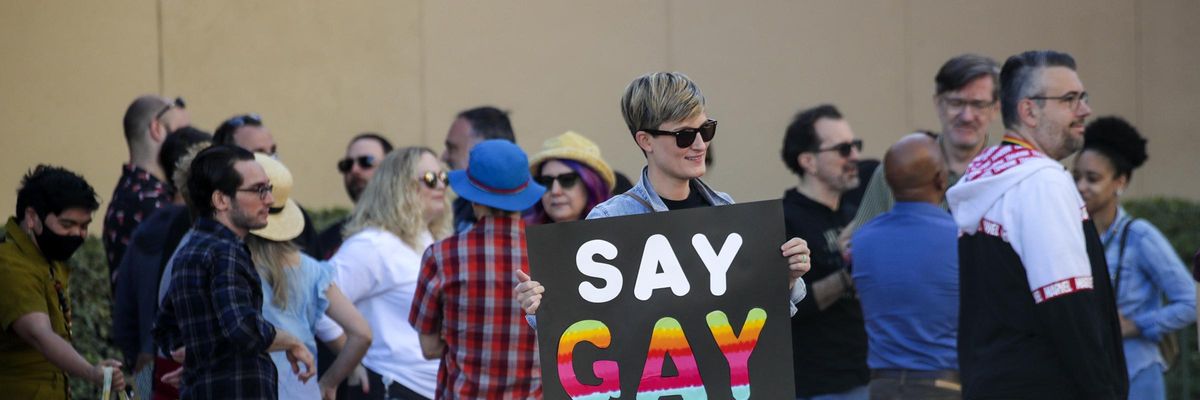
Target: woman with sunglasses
[
  {"x": 402, "y": 211},
  {"x": 1142, "y": 265},
  {"x": 298, "y": 290},
  {"x": 575, "y": 177}
]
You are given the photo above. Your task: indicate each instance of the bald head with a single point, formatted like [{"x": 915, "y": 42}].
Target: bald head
[
  {"x": 915, "y": 170},
  {"x": 140, "y": 114}
]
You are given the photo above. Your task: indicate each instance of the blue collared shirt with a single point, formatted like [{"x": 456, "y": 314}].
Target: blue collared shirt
[
  {"x": 214, "y": 308},
  {"x": 906, "y": 273},
  {"x": 1150, "y": 270}
]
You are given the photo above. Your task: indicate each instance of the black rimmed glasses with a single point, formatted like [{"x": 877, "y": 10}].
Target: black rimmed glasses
[
  {"x": 364, "y": 162},
  {"x": 261, "y": 190},
  {"x": 431, "y": 179},
  {"x": 1073, "y": 99},
  {"x": 686, "y": 136},
  {"x": 566, "y": 181},
  {"x": 844, "y": 149},
  {"x": 957, "y": 105}
]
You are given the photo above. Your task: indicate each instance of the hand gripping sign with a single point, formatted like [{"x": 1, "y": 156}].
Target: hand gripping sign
[{"x": 690, "y": 303}]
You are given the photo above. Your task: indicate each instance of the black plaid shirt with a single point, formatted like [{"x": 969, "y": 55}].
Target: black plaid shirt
[{"x": 214, "y": 308}]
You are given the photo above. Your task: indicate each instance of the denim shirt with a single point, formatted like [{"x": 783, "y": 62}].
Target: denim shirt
[
  {"x": 1150, "y": 271},
  {"x": 622, "y": 205}
]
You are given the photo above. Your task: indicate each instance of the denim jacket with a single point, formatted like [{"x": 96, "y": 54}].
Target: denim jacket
[
  {"x": 621, "y": 204},
  {"x": 1150, "y": 270}
]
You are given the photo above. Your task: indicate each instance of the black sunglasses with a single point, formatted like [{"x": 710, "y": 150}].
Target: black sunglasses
[
  {"x": 686, "y": 136},
  {"x": 431, "y": 179},
  {"x": 845, "y": 148},
  {"x": 178, "y": 103},
  {"x": 364, "y": 162},
  {"x": 566, "y": 181},
  {"x": 244, "y": 119}
]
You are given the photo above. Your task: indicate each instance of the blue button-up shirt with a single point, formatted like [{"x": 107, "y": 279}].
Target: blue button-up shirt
[
  {"x": 214, "y": 308},
  {"x": 906, "y": 273},
  {"x": 1150, "y": 271}
]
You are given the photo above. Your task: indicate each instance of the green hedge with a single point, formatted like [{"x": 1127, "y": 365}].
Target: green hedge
[{"x": 1178, "y": 220}]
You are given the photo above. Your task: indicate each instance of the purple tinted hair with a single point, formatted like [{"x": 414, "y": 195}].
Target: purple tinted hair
[{"x": 594, "y": 187}]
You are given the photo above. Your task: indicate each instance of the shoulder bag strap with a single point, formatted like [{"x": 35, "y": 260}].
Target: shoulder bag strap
[{"x": 1121, "y": 256}]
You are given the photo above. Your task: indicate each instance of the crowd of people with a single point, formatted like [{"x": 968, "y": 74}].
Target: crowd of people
[{"x": 961, "y": 266}]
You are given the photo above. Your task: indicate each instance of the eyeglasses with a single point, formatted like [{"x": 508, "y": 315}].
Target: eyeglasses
[
  {"x": 1073, "y": 99},
  {"x": 686, "y": 136},
  {"x": 565, "y": 181},
  {"x": 844, "y": 149},
  {"x": 364, "y": 162},
  {"x": 178, "y": 103},
  {"x": 262, "y": 191},
  {"x": 431, "y": 179},
  {"x": 956, "y": 105},
  {"x": 244, "y": 119}
]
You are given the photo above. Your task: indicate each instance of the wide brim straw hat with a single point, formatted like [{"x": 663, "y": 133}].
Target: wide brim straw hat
[
  {"x": 575, "y": 147},
  {"x": 497, "y": 176},
  {"x": 285, "y": 222}
]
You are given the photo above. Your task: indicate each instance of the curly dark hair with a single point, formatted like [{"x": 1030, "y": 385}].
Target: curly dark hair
[
  {"x": 50, "y": 190},
  {"x": 1117, "y": 140}
]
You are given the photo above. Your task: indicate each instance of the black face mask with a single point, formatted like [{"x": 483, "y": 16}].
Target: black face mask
[{"x": 57, "y": 247}]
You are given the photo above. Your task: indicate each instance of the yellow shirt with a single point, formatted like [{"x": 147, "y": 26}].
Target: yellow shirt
[{"x": 26, "y": 287}]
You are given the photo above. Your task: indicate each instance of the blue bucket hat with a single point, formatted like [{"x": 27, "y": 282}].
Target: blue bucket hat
[{"x": 497, "y": 176}]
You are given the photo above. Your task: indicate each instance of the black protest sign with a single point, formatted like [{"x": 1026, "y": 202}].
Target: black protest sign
[{"x": 690, "y": 303}]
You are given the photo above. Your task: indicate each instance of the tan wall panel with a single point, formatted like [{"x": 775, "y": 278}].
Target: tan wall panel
[
  {"x": 759, "y": 65},
  {"x": 1100, "y": 37},
  {"x": 320, "y": 73},
  {"x": 1170, "y": 97},
  {"x": 317, "y": 72},
  {"x": 555, "y": 65},
  {"x": 68, "y": 70}
]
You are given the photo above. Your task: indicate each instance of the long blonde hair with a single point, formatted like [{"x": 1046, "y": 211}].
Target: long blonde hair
[
  {"x": 275, "y": 262},
  {"x": 392, "y": 201}
]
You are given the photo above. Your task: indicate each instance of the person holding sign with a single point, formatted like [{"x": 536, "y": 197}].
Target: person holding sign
[
  {"x": 461, "y": 308},
  {"x": 665, "y": 114},
  {"x": 584, "y": 179}
]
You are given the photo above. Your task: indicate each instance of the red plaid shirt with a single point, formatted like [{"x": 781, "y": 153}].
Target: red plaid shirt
[{"x": 465, "y": 296}]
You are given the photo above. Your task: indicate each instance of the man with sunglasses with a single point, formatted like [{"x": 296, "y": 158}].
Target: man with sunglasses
[
  {"x": 665, "y": 114},
  {"x": 213, "y": 308},
  {"x": 829, "y": 344},
  {"x": 141, "y": 188},
  {"x": 248, "y": 132},
  {"x": 966, "y": 97},
  {"x": 363, "y": 154},
  {"x": 1037, "y": 311}
]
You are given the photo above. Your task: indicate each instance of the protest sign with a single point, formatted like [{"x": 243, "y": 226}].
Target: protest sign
[{"x": 690, "y": 303}]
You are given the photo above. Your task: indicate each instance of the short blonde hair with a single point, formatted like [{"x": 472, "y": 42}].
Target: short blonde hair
[
  {"x": 660, "y": 97},
  {"x": 392, "y": 201}
]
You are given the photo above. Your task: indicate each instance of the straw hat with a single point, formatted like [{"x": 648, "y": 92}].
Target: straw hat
[
  {"x": 285, "y": 221},
  {"x": 575, "y": 147}
]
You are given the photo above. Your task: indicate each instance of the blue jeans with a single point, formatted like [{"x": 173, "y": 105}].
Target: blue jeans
[
  {"x": 858, "y": 393},
  {"x": 1148, "y": 384}
]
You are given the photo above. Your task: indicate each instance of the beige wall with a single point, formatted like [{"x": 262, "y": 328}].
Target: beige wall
[{"x": 319, "y": 72}]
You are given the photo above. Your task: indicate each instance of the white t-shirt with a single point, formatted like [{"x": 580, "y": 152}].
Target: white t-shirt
[{"x": 378, "y": 273}]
